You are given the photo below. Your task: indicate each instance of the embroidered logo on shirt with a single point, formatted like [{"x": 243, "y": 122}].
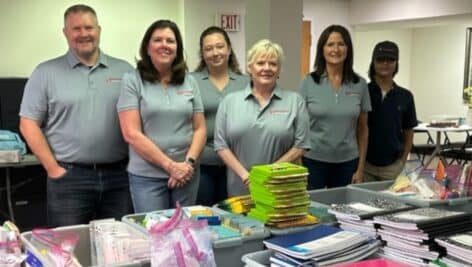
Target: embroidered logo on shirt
[
  {"x": 185, "y": 92},
  {"x": 349, "y": 93},
  {"x": 113, "y": 80},
  {"x": 278, "y": 111}
]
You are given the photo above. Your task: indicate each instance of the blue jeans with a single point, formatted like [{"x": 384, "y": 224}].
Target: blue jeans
[
  {"x": 151, "y": 193},
  {"x": 212, "y": 187},
  {"x": 326, "y": 174},
  {"x": 82, "y": 195}
]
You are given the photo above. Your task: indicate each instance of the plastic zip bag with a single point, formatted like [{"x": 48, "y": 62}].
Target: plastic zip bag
[
  {"x": 181, "y": 242},
  {"x": 58, "y": 246}
]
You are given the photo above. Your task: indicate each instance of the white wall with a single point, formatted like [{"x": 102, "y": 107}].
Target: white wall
[
  {"x": 199, "y": 15},
  {"x": 438, "y": 70},
  {"x": 32, "y": 30},
  {"x": 323, "y": 13},
  {"x": 364, "y": 45},
  {"x": 374, "y": 11}
]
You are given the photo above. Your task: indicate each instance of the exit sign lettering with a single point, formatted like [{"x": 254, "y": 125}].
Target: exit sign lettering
[{"x": 230, "y": 22}]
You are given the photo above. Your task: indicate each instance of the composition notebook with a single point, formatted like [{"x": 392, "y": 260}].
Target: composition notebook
[
  {"x": 367, "y": 209},
  {"x": 421, "y": 218}
]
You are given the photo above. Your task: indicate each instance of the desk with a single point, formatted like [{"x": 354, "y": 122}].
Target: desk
[
  {"x": 439, "y": 131},
  {"x": 26, "y": 160}
]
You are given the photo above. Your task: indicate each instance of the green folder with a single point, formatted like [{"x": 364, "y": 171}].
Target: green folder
[
  {"x": 278, "y": 170},
  {"x": 292, "y": 187},
  {"x": 297, "y": 208},
  {"x": 261, "y": 215}
]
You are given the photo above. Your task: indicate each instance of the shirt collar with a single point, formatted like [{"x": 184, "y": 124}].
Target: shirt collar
[
  {"x": 276, "y": 93},
  {"x": 391, "y": 91},
  {"x": 206, "y": 75},
  {"x": 73, "y": 61}
]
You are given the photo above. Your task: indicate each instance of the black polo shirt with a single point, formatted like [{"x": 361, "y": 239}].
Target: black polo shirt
[{"x": 387, "y": 120}]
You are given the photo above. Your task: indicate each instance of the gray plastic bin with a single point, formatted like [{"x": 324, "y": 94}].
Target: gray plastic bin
[
  {"x": 257, "y": 259},
  {"x": 278, "y": 231},
  {"x": 339, "y": 195},
  {"x": 82, "y": 249},
  {"x": 228, "y": 252},
  {"x": 375, "y": 188}
]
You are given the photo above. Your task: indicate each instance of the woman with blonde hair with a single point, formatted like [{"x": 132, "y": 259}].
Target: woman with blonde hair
[{"x": 273, "y": 127}]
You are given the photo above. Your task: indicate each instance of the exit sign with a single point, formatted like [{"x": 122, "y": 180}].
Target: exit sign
[{"x": 230, "y": 22}]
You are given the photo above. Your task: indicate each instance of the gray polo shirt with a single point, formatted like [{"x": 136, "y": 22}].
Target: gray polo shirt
[
  {"x": 75, "y": 106},
  {"x": 259, "y": 135},
  {"x": 333, "y": 118},
  {"x": 211, "y": 98},
  {"x": 166, "y": 117}
]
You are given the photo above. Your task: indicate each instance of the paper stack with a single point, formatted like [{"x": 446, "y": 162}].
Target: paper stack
[
  {"x": 280, "y": 195},
  {"x": 357, "y": 216},
  {"x": 410, "y": 235},
  {"x": 459, "y": 249},
  {"x": 321, "y": 246}
]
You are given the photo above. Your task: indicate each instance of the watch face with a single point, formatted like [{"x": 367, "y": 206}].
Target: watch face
[{"x": 191, "y": 160}]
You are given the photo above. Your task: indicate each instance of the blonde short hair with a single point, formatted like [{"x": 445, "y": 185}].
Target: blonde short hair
[{"x": 265, "y": 47}]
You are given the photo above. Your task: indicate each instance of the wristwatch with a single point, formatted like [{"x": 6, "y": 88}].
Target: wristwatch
[{"x": 190, "y": 161}]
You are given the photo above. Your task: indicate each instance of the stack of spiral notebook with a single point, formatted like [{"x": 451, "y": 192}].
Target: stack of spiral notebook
[
  {"x": 410, "y": 235},
  {"x": 458, "y": 247},
  {"x": 357, "y": 216},
  {"x": 321, "y": 246},
  {"x": 280, "y": 195}
]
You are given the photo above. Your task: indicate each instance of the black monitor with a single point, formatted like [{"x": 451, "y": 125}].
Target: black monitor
[{"x": 11, "y": 92}]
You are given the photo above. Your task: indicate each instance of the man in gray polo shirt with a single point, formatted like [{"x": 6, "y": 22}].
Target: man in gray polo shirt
[{"x": 69, "y": 120}]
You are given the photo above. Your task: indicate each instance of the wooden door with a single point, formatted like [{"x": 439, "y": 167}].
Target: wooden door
[{"x": 306, "y": 47}]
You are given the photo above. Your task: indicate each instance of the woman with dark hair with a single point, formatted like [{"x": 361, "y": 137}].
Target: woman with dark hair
[
  {"x": 217, "y": 75},
  {"x": 337, "y": 101},
  {"x": 161, "y": 117}
]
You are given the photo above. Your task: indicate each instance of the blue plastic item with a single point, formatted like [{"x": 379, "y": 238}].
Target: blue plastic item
[{"x": 11, "y": 141}]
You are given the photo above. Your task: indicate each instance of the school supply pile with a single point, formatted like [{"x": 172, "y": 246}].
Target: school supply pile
[
  {"x": 441, "y": 183},
  {"x": 100, "y": 243},
  {"x": 237, "y": 204},
  {"x": 222, "y": 225},
  {"x": 232, "y": 235},
  {"x": 410, "y": 235},
  {"x": 280, "y": 195},
  {"x": 357, "y": 216},
  {"x": 10, "y": 246},
  {"x": 114, "y": 242},
  {"x": 458, "y": 247},
  {"x": 180, "y": 241},
  {"x": 321, "y": 246},
  {"x": 57, "y": 247}
]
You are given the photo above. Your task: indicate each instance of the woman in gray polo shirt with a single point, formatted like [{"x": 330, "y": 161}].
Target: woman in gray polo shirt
[
  {"x": 337, "y": 101},
  {"x": 261, "y": 124},
  {"x": 161, "y": 117},
  {"x": 217, "y": 75}
]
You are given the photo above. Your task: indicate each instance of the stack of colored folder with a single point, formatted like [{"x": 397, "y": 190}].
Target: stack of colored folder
[
  {"x": 237, "y": 204},
  {"x": 280, "y": 195}
]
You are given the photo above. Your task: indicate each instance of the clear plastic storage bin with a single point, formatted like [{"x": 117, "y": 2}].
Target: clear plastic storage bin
[
  {"x": 82, "y": 250},
  {"x": 257, "y": 259},
  {"x": 376, "y": 188},
  {"x": 339, "y": 195},
  {"x": 228, "y": 252}
]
